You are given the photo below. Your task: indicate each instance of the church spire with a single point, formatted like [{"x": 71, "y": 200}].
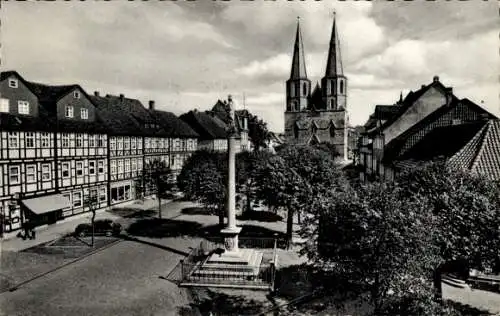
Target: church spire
[
  {"x": 298, "y": 61},
  {"x": 334, "y": 63}
]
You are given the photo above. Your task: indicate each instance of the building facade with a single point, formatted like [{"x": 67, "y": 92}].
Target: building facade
[
  {"x": 59, "y": 146},
  {"x": 319, "y": 115},
  {"x": 394, "y": 134}
]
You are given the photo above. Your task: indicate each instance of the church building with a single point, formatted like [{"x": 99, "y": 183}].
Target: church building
[{"x": 319, "y": 115}]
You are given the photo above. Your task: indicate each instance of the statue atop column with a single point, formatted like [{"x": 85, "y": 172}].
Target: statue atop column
[{"x": 232, "y": 116}]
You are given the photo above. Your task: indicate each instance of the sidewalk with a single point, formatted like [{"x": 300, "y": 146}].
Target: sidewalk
[{"x": 47, "y": 233}]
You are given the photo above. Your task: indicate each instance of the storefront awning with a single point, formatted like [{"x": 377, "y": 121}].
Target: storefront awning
[{"x": 48, "y": 203}]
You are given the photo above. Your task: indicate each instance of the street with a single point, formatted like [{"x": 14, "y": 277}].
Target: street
[{"x": 121, "y": 280}]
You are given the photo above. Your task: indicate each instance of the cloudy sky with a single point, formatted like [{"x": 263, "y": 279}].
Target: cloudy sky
[{"x": 186, "y": 55}]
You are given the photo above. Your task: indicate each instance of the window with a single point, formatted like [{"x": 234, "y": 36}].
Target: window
[
  {"x": 92, "y": 140},
  {"x": 29, "y": 141},
  {"x": 65, "y": 140},
  {"x": 100, "y": 166},
  {"x": 79, "y": 140},
  {"x": 102, "y": 194},
  {"x": 4, "y": 105},
  {"x": 92, "y": 167},
  {"x": 332, "y": 104},
  {"x": 13, "y": 140},
  {"x": 126, "y": 143},
  {"x": 112, "y": 144},
  {"x": 77, "y": 199},
  {"x": 23, "y": 107},
  {"x": 69, "y": 111},
  {"x": 14, "y": 175},
  {"x": 45, "y": 140},
  {"x": 341, "y": 87},
  {"x": 146, "y": 143},
  {"x": 134, "y": 165},
  {"x": 139, "y": 165},
  {"x": 65, "y": 169},
  {"x": 93, "y": 195},
  {"x": 120, "y": 143},
  {"x": 79, "y": 168},
  {"x": 76, "y": 95},
  {"x": 46, "y": 172},
  {"x": 297, "y": 88},
  {"x": 332, "y": 131},
  {"x": 113, "y": 166},
  {"x": 127, "y": 165},
  {"x": 120, "y": 166},
  {"x": 304, "y": 88},
  {"x": 100, "y": 141},
  {"x": 13, "y": 83},
  {"x": 84, "y": 114},
  {"x": 332, "y": 91},
  {"x": 30, "y": 173}
]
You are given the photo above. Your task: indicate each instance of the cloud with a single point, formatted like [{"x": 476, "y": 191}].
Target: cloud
[{"x": 278, "y": 65}]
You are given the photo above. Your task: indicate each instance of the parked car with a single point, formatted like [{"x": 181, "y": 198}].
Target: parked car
[{"x": 102, "y": 227}]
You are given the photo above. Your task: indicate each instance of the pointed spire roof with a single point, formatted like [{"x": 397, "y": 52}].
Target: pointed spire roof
[
  {"x": 334, "y": 63},
  {"x": 298, "y": 61}
]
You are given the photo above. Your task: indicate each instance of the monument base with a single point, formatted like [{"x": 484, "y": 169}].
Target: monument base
[{"x": 243, "y": 264}]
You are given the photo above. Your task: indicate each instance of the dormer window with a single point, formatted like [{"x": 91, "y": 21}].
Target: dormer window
[
  {"x": 76, "y": 94},
  {"x": 4, "y": 105},
  {"x": 69, "y": 111},
  {"x": 23, "y": 107},
  {"x": 84, "y": 114},
  {"x": 13, "y": 83}
]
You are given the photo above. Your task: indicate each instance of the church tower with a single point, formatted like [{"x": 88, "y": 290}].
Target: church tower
[
  {"x": 298, "y": 87},
  {"x": 334, "y": 83}
]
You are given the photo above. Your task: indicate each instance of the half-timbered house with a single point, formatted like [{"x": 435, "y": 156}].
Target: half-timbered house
[{"x": 80, "y": 146}]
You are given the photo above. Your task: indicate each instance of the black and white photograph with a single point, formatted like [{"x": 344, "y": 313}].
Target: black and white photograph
[{"x": 249, "y": 157}]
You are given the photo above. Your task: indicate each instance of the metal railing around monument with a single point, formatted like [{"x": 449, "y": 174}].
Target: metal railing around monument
[{"x": 261, "y": 276}]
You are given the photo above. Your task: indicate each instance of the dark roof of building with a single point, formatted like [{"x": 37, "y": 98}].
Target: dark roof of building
[
  {"x": 411, "y": 97},
  {"x": 26, "y": 123},
  {"x": 443, "y": 142},
  {"x": 482, "y": 153},
  {"x": 204, "y": 125},
  {"x": 173, "y": 125},
  {"x": 393, "y": 148},
  {"x": 221, "y": 111},
  {"x": 118, "y": 121},
  {"x": 48, "y": 95},
  {"x": 386, "y": 112}
]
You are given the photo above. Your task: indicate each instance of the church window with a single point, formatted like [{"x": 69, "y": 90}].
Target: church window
[
  {"x": 332, "y": 103},
  {"x": 297, "y": 88},
  {"x": 331, "y": 88},
  {"x": 342, "y": 87},
  {"x": 304, "y": 87},
  {"x": 292, "y": 90},
  {"x": 332, "y": 131}
]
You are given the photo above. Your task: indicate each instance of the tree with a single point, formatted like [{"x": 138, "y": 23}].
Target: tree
[
  {"x": 203, "y": 178},
  {"x": 294, "y": 177},
  {"x": 468, "y": 209},
  {"x": 374, "y": 245},
  {"x": 257, "y": 132},
  {"x": 92, "y": 202},
  {"x": 329, "y": 148},
  {"x": 156, "y": 179},
  {"x": 248, "y": 166}
]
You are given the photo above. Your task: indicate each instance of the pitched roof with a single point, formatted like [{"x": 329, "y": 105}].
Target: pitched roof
[
  {"x": 482, "y": 153},
  {"x": 14, "y": 122},
  {"x": 298, "y": 60},
  {"x": 48, "y": 95},
  {"x": 385, "y": 112},
  {"x": 118, "y": 121},
  {"x": 204, "y": 125},
  {"x": 393, "y": 149},
  {"x": 221, "y": 111},
  {"x": 411, "y": 97},
  {"x": 443, "y": 141},
  {"x": 334, "y": 63},
  {"x": 173, "y": 125}
]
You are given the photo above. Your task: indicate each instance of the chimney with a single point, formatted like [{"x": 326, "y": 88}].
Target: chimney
[
  {"x": 96, "y": 93},
  {"x": 121, "y": 97},
  {"x": 230, "y": 99},
  {"x": 423, "y": 86},
  {"x": 108, "y": 95},
  {"x": 151, "y": 104},
  {"x": 435, "y": 79}
]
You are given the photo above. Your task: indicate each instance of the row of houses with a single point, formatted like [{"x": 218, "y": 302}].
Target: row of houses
[
  {"x": 429, "y": 124},
  {"x": 60, "y": 145}
]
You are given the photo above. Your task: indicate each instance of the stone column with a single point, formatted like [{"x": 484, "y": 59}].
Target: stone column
[{"x": 231, "y": 231}]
